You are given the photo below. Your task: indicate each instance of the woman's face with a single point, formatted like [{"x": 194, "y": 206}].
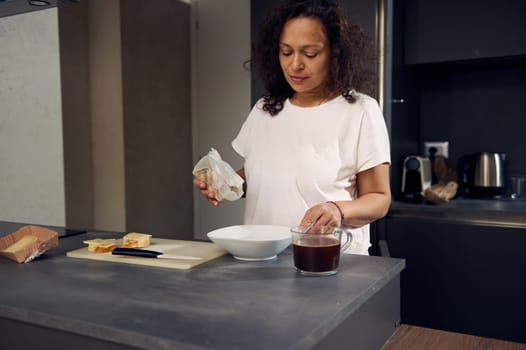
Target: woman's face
[{"x": 304, "y": 55}]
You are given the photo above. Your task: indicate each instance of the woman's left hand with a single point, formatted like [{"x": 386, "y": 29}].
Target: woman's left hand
[{"x": 324, "y": 214}]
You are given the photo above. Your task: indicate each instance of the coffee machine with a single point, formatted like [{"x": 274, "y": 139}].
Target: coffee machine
[{"x": 416, "y": 178}]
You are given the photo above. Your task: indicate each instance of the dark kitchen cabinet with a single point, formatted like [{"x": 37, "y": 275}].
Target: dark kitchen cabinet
[
  {"x": 450, "y": 30},
  {"x": 438, "y": 94},
  {"x": 461, "y": 277}
]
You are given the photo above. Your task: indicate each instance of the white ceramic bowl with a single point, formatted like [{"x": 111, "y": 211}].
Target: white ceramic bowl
[{"x": 252, "y": 242}]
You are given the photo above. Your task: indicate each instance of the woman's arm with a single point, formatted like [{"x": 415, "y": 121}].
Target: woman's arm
[
  {"x": 241, "y": 172},
  {"x": 374, "y": 199}
]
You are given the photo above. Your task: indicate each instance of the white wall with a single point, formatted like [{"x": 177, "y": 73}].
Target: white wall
[
  {"x": 220, "y": 95},
  {"x": 31, "y": 154}
]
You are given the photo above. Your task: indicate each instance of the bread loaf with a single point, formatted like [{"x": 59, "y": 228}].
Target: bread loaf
[
  {"x": 441, "y": 193},
  {"x": 136, "y": 240},
  {"x": 23, "y": 243},
  {"x": 99, "y": 245},
  {"x": 205, "y": 175}
]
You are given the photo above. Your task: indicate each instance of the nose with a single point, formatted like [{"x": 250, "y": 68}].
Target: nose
[{"x": 297, "y": 63}]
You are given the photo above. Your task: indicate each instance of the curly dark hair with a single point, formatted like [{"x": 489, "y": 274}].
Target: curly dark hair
[{"x": 350, "y": 51}]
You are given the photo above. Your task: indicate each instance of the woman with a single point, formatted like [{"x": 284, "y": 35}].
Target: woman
[{"x": 316, "y": 150}]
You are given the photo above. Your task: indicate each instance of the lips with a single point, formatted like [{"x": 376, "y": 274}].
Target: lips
[{"x": 297, "y": 79}]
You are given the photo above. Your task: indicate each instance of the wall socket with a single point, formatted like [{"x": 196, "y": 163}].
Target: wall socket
[{"x": 442, "y": 148}]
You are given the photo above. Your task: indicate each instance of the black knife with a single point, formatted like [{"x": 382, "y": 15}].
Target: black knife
[{"x": 151, "y": 254}]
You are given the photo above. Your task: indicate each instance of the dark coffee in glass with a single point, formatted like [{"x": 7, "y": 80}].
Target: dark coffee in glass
[
  {"x": 316, "y": 254},
  {"x": 317, "y": 250}
]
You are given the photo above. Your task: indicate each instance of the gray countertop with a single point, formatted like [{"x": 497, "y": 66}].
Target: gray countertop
[
  {"x": 223, "y": 304},
  {"x": 483, "y": 212}
]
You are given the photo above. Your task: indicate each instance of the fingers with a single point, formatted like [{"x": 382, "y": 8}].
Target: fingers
[
  {"x": 214, "y": 202},
  {"x": 309, "y": 219},
  {"x": 199, "y": 184},
  {"x": 203, "y": 188},
  {"x": 323, "y": 214},
  {"x": 210, "y": 197}
]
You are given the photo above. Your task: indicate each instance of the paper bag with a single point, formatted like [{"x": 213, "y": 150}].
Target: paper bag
[{"x": 219, "y": 177}]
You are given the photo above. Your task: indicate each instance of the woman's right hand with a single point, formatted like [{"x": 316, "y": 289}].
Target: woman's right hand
[{"x": 209, "y": 195}]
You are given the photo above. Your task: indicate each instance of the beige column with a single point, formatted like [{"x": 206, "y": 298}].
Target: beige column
[{"x": 106, "y": 115}]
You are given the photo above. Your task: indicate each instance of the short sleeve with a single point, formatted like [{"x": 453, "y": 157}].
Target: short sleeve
[
  {"x": 240, "y": 144},
  {"x": 373, "y": 142}
]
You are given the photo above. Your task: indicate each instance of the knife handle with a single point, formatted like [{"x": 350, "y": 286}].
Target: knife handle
[{"x": 136, "y": 252}]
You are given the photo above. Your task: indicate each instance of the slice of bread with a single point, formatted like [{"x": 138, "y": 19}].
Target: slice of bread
[
  {"x": 23, "y": 243},
  {"x": 205, "y": 175},
  {"x": 99, "y": 245},
  {"x": 136, "y": 240}
]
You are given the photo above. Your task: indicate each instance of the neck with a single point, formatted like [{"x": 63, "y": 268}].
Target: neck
[{"x": 311, "y": 99}]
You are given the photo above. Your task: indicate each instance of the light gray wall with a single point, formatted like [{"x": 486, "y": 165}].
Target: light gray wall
[
  {"x": 31, "y": 155},
  {"x": 221, "y": 95},
  {"x": 106, "y": 111},
  {"x": 76, "y": 121},
  {"x": 126, "y": 73},
  {"x": 60, "y": 81},
  {"x": 155, "y": 100},
  {"x": 90, "y": 44},
  {"x": 157, "y": 119}
]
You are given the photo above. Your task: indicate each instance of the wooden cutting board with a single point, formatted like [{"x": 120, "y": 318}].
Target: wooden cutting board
[{"x": 205, "y": 250}]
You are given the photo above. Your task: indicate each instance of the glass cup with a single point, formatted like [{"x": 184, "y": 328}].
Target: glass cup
[
  {"x": 517, "y": 186},
  {"x": 317, "y": 250}
]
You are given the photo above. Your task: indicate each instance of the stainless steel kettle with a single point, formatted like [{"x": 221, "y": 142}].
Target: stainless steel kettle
[{"x": 481, "y": 175}]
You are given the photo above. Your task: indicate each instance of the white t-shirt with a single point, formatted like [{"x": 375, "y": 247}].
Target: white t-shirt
[{"x": 304, "y": 156}]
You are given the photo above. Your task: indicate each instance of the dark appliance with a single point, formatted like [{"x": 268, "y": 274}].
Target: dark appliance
[
  {"x": 416, "y": 178},
  {"x": 481, "y": 175}
]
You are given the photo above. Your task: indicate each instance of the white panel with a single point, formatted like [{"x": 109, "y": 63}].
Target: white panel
[
  {"x": 220, "y": 94},
  {"x": 31, "y": 153}
]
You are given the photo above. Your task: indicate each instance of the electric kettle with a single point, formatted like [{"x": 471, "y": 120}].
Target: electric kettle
[{"x": 481, "y": 175}]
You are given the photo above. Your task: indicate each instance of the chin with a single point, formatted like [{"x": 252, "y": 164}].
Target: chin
[{"x": 299, "y": 88}]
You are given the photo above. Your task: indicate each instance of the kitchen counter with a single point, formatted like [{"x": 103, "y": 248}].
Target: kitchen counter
[
  {"x": 480, "y": 212},
  {"x": 56, "y": 301}
]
